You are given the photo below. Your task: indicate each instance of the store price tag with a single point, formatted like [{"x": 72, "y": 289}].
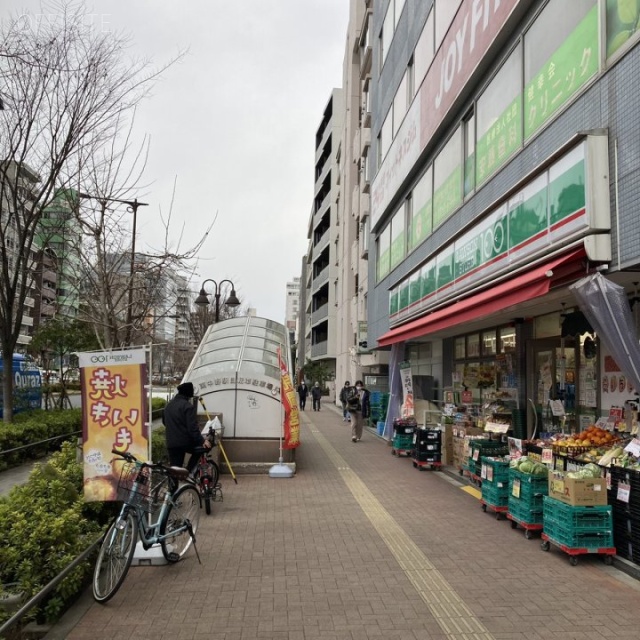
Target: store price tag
[
  {"x": 608, "y": 477},
  {"x": 604, "y": 423},
  {"x": 634, "y": 447},
  {"x": 476, "y": 455},
  {"x": 547, "y": 456},
  {"x": 490, "y": 474},
  {"x": 515, "y": 491},
  {"x": 483, "y": 471},
  {"x": 623, "y": 492}
]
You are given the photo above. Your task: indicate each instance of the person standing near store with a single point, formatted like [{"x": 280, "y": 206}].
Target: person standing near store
[
  {"x": 316, "y": 394},
  {"x": 344, "y": 393},
  {"x": 303, "y": 391},
  {"x": 358, "y": 405},
  {"x": 181, "y": 427}
]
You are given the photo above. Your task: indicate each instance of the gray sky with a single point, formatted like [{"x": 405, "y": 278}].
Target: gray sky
[{"x": 234, "y": 121}]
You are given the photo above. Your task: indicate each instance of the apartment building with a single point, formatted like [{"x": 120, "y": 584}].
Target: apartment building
[
  {"x": 505, "y": 140},
  {"x": 322, "y": 274}
]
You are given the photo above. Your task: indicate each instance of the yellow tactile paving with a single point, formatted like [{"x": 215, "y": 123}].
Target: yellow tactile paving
[{"x": 448, "y": 609}]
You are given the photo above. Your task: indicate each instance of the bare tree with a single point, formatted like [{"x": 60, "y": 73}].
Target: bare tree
[{"x": 65, "y": 89}]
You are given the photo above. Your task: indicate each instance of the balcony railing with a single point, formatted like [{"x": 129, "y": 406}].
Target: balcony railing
[
  {"x": 321, "y": 313},
  {"x": 319, "y": 349}
]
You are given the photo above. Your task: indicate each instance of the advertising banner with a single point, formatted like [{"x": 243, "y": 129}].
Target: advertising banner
[
  {"x": 407, "y": 409},
  {"x": 114, "y": 416},
  {"x": 291, "y": 424}
]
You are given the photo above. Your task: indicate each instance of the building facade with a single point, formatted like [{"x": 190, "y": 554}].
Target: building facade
[
  {"x": 322, "y": 258},
  {"x": 505, "y": 139}
]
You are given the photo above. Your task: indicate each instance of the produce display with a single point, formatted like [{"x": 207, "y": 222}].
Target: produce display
[
  {"x": 591, "y": 437},
  {"x": 525, "y": 465}
]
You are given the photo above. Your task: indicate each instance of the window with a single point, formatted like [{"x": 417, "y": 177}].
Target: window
[
  {"x": 561, "y": 44},
  {"x": 400, "y": 103},
  {"x": 499, "y": 117},
  {"x": 447, "y": 179},
  {"x": 423, "y": 54},
  {"x": 386, "y": 35},
  {"x": 469, "y": 125},
  {"x": 398, "y": 237},
  {"x": 420, "y": 218},
  {"x": 507, "y": 340},
  {"x": 445, "y": 11},
  {"x": 383, "y": 253},
  {"x": 385, "y": 136},
  {"x": 397, "y": 10}
]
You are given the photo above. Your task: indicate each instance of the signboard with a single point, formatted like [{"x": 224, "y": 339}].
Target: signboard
[
  {"x": 540, "y": 215},
  {"x": 471, "y": 34},
  {"x": 408, "y": 408},
  {"x": 114, "y": 416}
]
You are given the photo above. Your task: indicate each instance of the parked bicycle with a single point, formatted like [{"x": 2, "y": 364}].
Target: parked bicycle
[
  {"x": 207, "y": 473},
  {"x": 155, "y": 509}
]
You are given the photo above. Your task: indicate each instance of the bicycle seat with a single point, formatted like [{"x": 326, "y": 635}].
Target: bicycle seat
[{"x": 179, "y": 473}]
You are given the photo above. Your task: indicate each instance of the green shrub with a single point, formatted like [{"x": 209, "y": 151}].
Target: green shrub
[
  {"x": 44, "y": 525},
  {"x": 159, "y": 445},
  {"x": 35, "y": 426}
]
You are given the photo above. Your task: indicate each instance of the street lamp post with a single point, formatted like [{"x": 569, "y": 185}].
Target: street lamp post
[{"x": 203, "y": 299}]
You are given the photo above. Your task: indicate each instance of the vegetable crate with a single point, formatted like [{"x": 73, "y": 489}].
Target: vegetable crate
[
  {"x": 479, "y": 448},
  {"x": 526, "y": 494},
  {"x": 577, "y": 530},
  {"x": 495, "y": 497},
  {"x": 402, "y": 444},
  {"x": 494, "y": 470}
]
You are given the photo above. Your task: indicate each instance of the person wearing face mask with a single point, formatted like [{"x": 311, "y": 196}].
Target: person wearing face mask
[
  {"x": 358, "y": 406},
  {"x": 344, "y": 393}
]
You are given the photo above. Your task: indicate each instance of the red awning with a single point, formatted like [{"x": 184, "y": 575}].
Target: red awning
[{"x": 526, "y": 286}]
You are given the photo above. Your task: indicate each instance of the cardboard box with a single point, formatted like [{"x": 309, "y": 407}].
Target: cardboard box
[{"x": 578, "y": 492}]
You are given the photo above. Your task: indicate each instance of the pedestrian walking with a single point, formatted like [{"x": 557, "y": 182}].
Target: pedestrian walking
[
  {"x": 344, "y": 393},
  {"x": 316, "y": 394},
  {"x": 181, "y": 427},
  {"x": 358, "y": 406},
  {"x": 303, "y": 392}
]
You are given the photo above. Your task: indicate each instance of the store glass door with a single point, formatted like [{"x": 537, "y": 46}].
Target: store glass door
[{"x": 552, "y": 375}]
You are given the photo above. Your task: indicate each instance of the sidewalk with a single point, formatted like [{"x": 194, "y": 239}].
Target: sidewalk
[{"x": 360, "y": 545}]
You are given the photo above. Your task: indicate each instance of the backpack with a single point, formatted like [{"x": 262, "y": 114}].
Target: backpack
[{"x": 353, "y": 400}]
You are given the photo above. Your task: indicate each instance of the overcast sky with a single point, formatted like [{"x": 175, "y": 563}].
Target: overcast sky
[{"x": 234, "y": 121}]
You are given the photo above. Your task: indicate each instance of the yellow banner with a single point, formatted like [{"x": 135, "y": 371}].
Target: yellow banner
[{"x": 114, "y": 417}]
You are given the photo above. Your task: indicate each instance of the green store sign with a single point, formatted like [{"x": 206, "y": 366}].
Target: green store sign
[{"x": 546, "y": 211}]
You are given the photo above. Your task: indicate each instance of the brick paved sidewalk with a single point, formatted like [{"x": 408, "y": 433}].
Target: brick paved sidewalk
[{"x": 361, "y": 545}]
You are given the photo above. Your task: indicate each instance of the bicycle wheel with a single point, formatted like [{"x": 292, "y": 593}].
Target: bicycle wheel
[
  {"x": 185, "y": 506},
  {"x": 114, "y": 559}
]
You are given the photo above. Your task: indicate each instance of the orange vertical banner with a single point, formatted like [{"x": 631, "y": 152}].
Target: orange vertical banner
[
  {"x": 291, "y": 424},
  {"x": 114, "y": 416}
]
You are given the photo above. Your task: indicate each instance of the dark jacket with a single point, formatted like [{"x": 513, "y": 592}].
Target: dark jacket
[
  {"x": 316, "y": 393},
  {"x": 181, "y": 422},
  {"x": 363, "y": 405},
  {"x": 303, "y": 391},
  {"x": 344, "y": 393}
]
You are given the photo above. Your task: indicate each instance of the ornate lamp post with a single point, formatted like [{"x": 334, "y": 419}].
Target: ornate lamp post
[{"x": 203, "y": 299}]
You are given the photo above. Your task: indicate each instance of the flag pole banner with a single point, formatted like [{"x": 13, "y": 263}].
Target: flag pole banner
[
  {"x": 407, "y": 410},
  {"x": 291, "y": 423},
  {"x": 114, "y": 416}
]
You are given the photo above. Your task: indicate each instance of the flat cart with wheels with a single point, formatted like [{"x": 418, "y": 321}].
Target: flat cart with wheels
[
  {"x": 607, "y": 553},
  {"x": 427, "y": 449},
  {"x": 529, "y": 527},
  {"x": 421, "y": 464},
  {"x": 498, "y": 510},
  {"x": 402, "y": 444}
]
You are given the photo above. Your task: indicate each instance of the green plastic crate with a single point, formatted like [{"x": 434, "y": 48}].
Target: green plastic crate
[
  {"x": 403, "y": 441},
  {"x": 495, "y": 471},
  {"x": 578, "y": 519},
  {"x": 525, "y": 512},
  {"x": 494, "y": 495},
  {"x": 593, "y": 539}
]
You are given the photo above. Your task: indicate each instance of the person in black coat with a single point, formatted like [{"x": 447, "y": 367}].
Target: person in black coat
[
  {"x": 303, "y": 392},
  {"x": 316, "y": 396},
  {"x": 358, "y": 405},
  {"x": 181, "y": 427}
]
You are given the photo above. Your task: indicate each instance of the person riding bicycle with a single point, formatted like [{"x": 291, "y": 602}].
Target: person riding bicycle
[{"x": 181, "y": 428}]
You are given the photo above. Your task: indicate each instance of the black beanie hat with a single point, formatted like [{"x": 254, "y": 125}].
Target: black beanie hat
[{"x": 186, "y": 389}]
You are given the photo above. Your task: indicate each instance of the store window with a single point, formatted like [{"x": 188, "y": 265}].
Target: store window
[
  {"x": 499, "y": 118},
  {"x": 623, "y": 26},
  {"x": 447, "y": 179},
  {"x": 383, "y": 257},
  {"x": 561, "y": 53},
  {"x": 424, "y": 51},
  {"x": 507, "y": 339},
  {"x": 459, "y": 348},
  {"x": 489, "y": 346},
  {"x": 473, "y": 345},
  {"x": 420, "y": 220},
  {"x": 398, "y": 237}
]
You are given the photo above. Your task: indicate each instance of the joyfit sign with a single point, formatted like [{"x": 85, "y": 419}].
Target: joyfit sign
[
  {"x": 114, "y": 416},
  {"x": 471, "y": 34}
]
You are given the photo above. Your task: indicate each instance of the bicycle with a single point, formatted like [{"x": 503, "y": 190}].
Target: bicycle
[
  {"x": 206, "y": 474},
  {"x": 155, "y": 509}
]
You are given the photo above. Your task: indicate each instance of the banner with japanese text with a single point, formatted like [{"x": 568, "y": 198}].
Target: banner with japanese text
[
  {"x": 291, "y": 423},
  {"x": 407, "y": 410},
  {"x": 114, "y": 416}
]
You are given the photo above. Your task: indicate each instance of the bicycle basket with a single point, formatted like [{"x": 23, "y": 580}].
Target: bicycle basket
[{"x": 142, "y": 487}]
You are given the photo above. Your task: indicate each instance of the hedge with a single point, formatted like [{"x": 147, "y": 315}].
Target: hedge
[{"x": 44, "y": 525}]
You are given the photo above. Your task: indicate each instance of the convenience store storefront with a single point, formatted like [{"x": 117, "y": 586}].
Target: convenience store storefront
[{"x": 495, "y": 298}]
